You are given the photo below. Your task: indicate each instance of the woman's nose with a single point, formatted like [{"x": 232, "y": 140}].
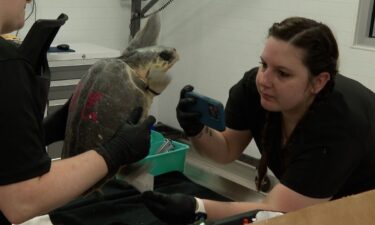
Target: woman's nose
[{"x": 266, "y": 78}]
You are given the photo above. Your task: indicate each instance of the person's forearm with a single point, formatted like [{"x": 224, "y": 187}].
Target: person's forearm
[
  {"x": 66, "y": 180},
  {"x": 219, "y": 210},
  {"x": 212, "y": 144},
  {"x": 73, "y": 177}
]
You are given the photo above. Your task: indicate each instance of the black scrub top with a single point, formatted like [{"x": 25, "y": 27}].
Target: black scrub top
[
  {"x": 22, "y": 154},
  {"x": 331, "y": 154}
]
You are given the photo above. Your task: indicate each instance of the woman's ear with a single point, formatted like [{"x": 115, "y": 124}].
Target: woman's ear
[{"x": 320, "y": 81}]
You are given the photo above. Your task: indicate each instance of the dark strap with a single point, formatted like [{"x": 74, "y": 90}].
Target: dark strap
[{"x": 142, "y": 85}]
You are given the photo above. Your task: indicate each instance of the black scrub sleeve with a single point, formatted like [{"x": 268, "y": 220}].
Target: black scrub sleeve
[{"x": 22, "y": 154}]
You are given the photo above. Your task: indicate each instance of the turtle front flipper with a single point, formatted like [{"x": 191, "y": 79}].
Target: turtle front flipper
[{"x": 147, "y": 36}]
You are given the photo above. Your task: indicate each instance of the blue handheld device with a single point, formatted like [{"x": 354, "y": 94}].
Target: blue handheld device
[{"x": 212, "y": 110}]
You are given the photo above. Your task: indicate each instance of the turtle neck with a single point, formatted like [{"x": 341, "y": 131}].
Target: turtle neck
[{"x": 143, "y": 85}]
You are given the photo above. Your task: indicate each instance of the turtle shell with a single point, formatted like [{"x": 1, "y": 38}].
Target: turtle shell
[{"x": 102, "y": 102}]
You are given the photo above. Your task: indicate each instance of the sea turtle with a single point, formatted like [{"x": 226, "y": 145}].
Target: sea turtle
[{"x": 112, "y": 88}]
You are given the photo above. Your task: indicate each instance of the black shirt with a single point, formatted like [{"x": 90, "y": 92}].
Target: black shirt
[
  {"x": 22, "y": 154},
  {"x": 331, "y": 151}
]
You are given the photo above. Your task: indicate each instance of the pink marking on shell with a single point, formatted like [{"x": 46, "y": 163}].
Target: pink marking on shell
[{"x": 92, "y": 100}]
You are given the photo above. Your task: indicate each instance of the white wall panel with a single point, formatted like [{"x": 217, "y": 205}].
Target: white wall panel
[{"x": 103, "y": 22}]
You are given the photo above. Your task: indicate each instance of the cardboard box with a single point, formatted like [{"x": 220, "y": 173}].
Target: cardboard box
[{"x": 352, "y": 210}]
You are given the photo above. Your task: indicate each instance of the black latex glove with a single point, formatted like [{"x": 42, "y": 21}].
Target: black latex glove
[
  {"x": 130, "y": 143},
  {"x": 189, "y": 121},
  {"x": 54, "y": 124},
  {"x": 171, "y": 209}
]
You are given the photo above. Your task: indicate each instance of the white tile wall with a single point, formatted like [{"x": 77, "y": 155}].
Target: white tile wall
[{"x": 218, "y": 40}]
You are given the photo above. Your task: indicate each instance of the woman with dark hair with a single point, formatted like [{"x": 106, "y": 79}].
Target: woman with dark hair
[{"x": 315, "y": 128}]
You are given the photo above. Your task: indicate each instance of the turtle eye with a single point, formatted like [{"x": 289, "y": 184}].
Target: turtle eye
[{"x": 165, "y": 55}]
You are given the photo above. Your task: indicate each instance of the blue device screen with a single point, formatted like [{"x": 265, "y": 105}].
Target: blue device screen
[{"x": 212, "y": 110}]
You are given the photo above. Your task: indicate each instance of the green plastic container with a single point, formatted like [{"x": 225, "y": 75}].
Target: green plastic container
[{"x": 173, "y": 160}]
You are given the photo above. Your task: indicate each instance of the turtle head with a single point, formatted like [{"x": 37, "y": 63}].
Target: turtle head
[
  {"x": 151, "y": 65},
  {"x": 150, "y": 61}
]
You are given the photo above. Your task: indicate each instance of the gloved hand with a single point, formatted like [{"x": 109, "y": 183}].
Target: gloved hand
[
  {"x": 171, "y": 209},
  {"x": 130, "y": 143},
  {"x": 189, "y": 121},
  {"x": 54, "y": 124}
]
